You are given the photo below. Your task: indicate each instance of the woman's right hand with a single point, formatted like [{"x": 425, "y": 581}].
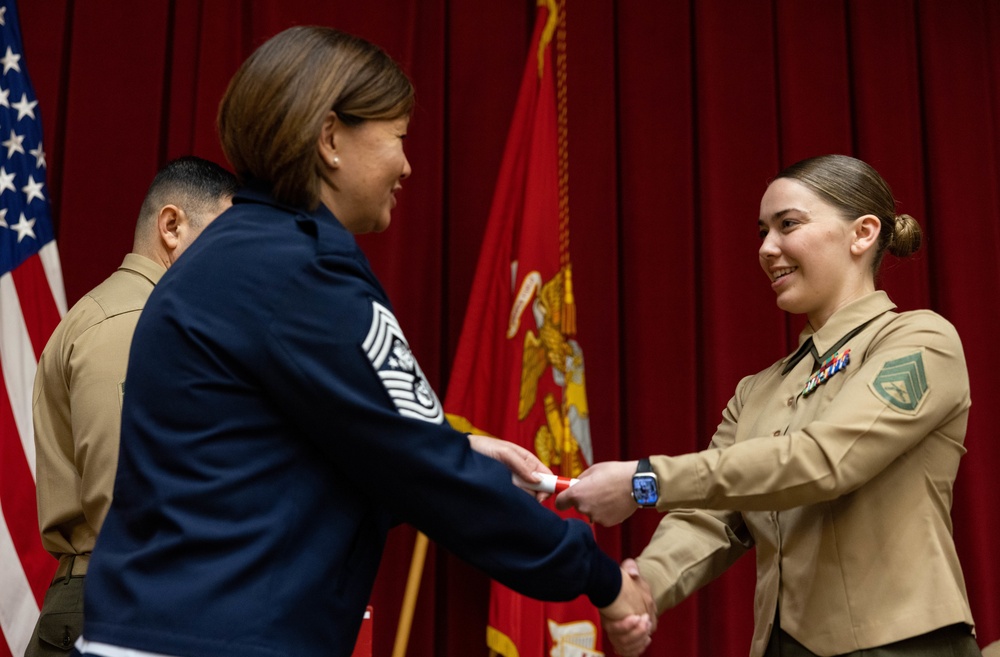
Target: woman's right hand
[{"x": 603, "y": 493}]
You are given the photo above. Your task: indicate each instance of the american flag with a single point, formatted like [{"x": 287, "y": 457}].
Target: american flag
[{"x": 32, "y": 300}]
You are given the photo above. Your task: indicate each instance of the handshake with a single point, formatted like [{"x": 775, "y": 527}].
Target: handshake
[
  {"x": 602, "y": 493},
  {"x": 630, "y": 620}
]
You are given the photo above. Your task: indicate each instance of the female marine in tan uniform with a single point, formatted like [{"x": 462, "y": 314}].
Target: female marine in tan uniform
[{"x": 837, "y": 462}]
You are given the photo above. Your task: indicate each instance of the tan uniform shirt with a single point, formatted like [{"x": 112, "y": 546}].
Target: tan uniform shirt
[
  {"x": 846, "y": 491},
  {"x": 77, "y": 406}
]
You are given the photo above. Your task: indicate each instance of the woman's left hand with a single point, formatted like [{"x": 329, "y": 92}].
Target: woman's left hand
[{"x": 520, "y": 461}]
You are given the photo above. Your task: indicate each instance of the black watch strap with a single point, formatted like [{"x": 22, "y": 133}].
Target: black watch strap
[{"x": 643, "y": 466}]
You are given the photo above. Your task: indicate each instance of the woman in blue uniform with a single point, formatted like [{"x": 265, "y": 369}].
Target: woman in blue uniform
[
  {"x": 277, "y": 424},
  {"x": 837, "y": 462}
]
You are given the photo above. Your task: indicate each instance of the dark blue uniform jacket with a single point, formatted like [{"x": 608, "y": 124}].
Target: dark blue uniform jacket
[{"x": 275, "y": 426}]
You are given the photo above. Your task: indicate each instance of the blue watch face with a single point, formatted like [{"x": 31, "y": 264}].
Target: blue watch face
[{"x": 645, "y": 490}]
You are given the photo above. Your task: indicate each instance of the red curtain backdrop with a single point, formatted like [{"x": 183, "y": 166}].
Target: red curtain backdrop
[{"x": 679, "y": 113}]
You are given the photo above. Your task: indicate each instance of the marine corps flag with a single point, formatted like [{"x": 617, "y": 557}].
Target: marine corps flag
[{"x": 518, "y": 373}]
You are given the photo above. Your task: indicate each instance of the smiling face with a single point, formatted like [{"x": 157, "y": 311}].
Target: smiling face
[
  {"x": 370, "y": 166},
  {"x": 817, "y": 260}
]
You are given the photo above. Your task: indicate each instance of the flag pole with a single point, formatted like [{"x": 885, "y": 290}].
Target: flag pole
[
  {"x": 409, "y": 605},
  {"x": 410, "y": 596}
]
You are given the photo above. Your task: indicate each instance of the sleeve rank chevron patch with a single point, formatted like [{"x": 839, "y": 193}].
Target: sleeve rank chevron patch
[
  {"x": 902, "y": 383},
  {"x": 395, "y": 364}
]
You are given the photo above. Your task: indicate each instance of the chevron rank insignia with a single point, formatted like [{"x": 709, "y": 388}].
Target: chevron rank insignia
[
  {"x": 902, "y": 382},
  {"x": 395, "y": 364}
]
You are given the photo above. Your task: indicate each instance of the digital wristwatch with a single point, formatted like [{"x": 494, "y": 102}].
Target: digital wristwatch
[{"x": 645, "y": 488}]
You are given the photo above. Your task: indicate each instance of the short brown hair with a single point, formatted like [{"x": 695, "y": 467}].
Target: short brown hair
[
  {"x": 857, "y": 189},
  {"x": 273, "y": 111}
]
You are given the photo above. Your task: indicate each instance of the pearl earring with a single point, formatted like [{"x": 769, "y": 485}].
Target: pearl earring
[{"x": 335, "y": 162}]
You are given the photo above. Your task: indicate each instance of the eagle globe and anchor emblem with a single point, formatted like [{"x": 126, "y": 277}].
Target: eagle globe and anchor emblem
[{"x": 563, "y": 442}]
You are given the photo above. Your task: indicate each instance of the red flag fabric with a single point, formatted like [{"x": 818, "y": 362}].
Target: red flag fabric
[
  {"x": 518, "y": 373},
  {"x": 32, "y": 301}
]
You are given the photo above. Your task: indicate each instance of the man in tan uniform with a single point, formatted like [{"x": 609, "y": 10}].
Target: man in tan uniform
[{"x": 81, "y": 381}]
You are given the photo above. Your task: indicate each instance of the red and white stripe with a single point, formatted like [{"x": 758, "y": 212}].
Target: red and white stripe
[{"x": 32, "y": 301}]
